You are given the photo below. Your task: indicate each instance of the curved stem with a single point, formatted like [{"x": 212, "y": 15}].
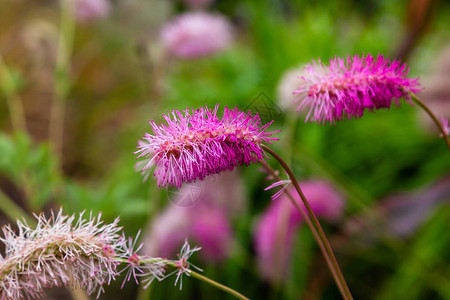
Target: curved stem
[
  {"x": 435, "y": 119},
  {"x": 335, "y": 266},
  {"x": 199, "y": 276},
  {"x": 310, "y": 225},
  {"x": 217, "y": 285}
]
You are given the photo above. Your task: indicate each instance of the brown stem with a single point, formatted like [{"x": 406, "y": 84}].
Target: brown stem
[
  {"x": 435, "y": 119},
  {"x": 310, "y": 225},
  {"x": 340, "y": 280}
]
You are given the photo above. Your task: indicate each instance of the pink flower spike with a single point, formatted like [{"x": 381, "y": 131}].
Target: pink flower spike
[
  {"x": 196, "y": 143},
  {"x": 347, "y": 87}
]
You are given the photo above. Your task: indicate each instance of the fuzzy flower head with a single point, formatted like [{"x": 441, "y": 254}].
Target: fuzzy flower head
[
  {"x": 347, "y": 87},
  {"x": 197, "y": 143},
  {"x": 196, "y": 34},
  {"x": 77, "y": 253},
  {"x": 60, "y": 251}
]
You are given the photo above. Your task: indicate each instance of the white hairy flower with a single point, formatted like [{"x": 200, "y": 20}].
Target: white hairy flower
[{"x": 69, "y": 251}]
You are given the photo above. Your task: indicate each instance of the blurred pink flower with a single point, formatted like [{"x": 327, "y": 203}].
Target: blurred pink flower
[
  {"x": 200, "y": 211},
  {"x": 324, "y": 200},
  {"x": 91, "y": 10},
  {"x": 278, "y": 225},
  {"x": 211, "y": 230},
  {"x": 225, "y": 190},
  {"x": 196, "y": 34},
  {"x": 205, "y": 223},
  {"x": 289, "y": 82}
]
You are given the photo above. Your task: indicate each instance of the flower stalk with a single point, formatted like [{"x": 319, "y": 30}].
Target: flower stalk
[
  {"x": 316, "y": 228},
  {"x": 217, "y": 285},
  {"x": 178, "y": 265},
  {"x": 196, "y": 143},
  {"x": 444, "y": 132},
  {"x": 310, "y": 225},
  {"x": 8, "y": 86},
  {"x": 61, "y": 77}
]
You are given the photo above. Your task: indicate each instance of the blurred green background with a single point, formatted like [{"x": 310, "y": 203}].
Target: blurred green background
[{"x": 87, "y": 90}]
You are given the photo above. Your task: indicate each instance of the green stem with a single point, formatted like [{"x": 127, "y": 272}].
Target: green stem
[
  {"x": 346, "y": 294},
  {"x": 62, "y": 76},
  {"x": 196, "y": 275},
  {"x": 12, "y": 210},
  {"x": 217, "y": 285},
  {"x": 15, "y": 106},
  {"x": 435, "y": 119}
]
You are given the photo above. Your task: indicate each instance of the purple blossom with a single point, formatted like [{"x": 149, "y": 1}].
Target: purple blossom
[
  {"x": 276, "y": 229},
  {"x": 196, "y": 34},
  {"x": 204, "y": 223},
  {"x": 347, "y": 87},
  {"x": 90, "y": 10},
  {"x": 196, "y": 143},
  {"x": 274, "y": 235}
]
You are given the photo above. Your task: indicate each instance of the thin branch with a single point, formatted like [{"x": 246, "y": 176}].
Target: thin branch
[
  {"x": 346, "y": 291},
  {"x": 435, "y": 119}
]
